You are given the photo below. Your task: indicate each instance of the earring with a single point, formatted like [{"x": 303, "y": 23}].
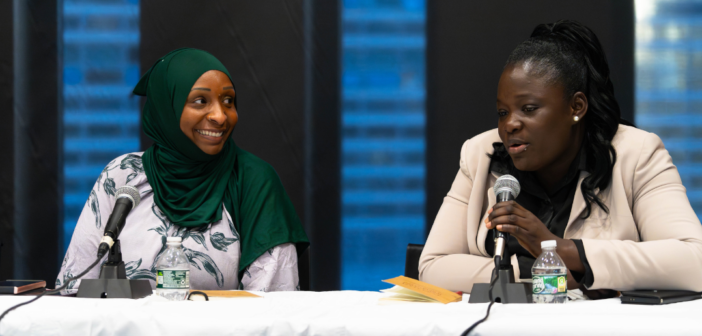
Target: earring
[{"x": 576, "y": 118}]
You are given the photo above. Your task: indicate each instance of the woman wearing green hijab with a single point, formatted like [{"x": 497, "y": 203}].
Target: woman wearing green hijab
[{"x": 238, "y": 226}]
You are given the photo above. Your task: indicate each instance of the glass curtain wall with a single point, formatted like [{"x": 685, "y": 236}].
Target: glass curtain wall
[
  {"x": 101, "y": 117},
  {"x": 669, "y": 83},
  {"x": 382, "y": 138}
]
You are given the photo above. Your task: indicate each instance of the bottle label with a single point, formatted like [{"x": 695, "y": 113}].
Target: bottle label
[
  {"x": 173, "y": 279},
  {"x": 549, "y": 284}
]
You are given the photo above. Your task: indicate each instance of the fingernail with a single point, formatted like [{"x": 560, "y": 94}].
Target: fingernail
[
  {"x": 490, "y": 211},
  {"x": 499, "y": 227}
]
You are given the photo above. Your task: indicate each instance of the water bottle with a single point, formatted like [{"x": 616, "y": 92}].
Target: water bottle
[
  {"x": 549, "y": 276},
  {"x": 173, "y": 272}
]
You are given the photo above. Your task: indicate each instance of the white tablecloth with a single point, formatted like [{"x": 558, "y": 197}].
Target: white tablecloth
[{"x": 339, "y": 313}]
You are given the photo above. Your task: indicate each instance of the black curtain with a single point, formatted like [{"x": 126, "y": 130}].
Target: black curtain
[
  {"x": 467, "y": 45},
  {"x": 283, "y": 61},
  {"x": 31, "y": 173}
]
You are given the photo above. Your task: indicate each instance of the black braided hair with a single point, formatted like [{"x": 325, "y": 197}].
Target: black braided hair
[{"x": 568, "y": 53}]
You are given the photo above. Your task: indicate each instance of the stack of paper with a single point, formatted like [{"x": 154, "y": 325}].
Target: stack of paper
[{"x": 411, "y": 290}]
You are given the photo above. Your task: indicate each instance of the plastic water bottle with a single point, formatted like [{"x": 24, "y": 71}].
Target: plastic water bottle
[
  {"x": 549, "y": 276},
  {"x": 173, "y": 272}
]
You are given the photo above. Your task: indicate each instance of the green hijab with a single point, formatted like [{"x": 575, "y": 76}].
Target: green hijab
[{"x": 190, "y": 185}]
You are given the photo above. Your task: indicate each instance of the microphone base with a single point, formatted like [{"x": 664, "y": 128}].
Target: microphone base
[
  {"x": 114, "y": 289},
  {"x": 505, "y": 290},
  {"x": 113, "y": 282},
  {"x": 113, "y": 271}
]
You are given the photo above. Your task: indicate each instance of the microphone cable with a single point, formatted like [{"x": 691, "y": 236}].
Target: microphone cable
[
  {"x": 52, "y": 290},
  {"x": 492, "y": 300}
]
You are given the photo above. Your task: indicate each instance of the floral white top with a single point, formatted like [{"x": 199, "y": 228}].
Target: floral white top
[{"x": 213, "y": 250}]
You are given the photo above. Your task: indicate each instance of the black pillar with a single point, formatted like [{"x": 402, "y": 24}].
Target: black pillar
[
  {"x": 467, "y": 45},
  {"x": 263, "y": 44},
  {"x": 37, "y": 139},
  {"x": 6, "y": 137},
  {"x": 323, "y": 141}
]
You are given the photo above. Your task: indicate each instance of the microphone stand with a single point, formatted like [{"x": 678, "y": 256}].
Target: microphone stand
[
  {"x": 113, "y": 282},
  {"x": 505, "y": 289}
]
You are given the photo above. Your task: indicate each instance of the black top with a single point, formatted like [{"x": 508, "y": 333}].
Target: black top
[{"x": 553, "y": 209}]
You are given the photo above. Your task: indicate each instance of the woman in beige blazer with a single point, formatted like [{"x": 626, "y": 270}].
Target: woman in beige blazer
[{"x": 609, "y": 194}]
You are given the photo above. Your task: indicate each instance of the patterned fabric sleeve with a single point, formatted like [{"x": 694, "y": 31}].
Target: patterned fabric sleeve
[
  {"x": 82, "y": 250},
  {"x": 275, "y": 270}
]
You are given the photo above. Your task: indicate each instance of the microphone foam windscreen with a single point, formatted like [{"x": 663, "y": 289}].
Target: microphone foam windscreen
[
  {"x": 507, "y": 183},
  {"x": 129, "y": 192}
]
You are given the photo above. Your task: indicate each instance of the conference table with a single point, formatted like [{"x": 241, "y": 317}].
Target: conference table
[{"x": 339, "y": 313}]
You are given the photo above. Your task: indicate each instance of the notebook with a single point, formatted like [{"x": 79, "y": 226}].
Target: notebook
[
  {"x": 20, "y": 286},
  {"x": 411, "y": 290}
]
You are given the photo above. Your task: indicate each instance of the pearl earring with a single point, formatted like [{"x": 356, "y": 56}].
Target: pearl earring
[{"x": 576, "y": 118}]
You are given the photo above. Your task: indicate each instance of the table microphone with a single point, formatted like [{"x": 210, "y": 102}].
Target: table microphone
[
  {"x": 506, "y": 189},
  {"x": 127, "y": 198},
  {"x": 502, "y": 287}
]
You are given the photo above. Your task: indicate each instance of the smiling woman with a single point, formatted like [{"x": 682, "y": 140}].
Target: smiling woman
[
  {"x": 238, "y": 227},
  {"x": 608, "y": 193},
  {"x": 209, "y": 115}
]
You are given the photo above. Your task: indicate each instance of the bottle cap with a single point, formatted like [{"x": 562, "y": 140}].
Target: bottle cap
[
  {"x": 548, "y": 243},
  {"x": 174, "y": 239}
]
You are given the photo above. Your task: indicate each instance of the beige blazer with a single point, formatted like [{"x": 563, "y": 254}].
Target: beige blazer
[{"x": 651, "y": 238}]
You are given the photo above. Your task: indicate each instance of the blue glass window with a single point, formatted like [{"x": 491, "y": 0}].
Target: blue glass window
[
  {"x": 101, "y": 117},
  {"x": 669, "y": 83},
  {"x": 382, "y": 138}
]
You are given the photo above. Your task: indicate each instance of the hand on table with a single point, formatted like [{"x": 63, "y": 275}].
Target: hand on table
[
  {"x": 595, "y": 294},
  {"x": 572, "y": 284},
  {"x": 599, "y": 294}
]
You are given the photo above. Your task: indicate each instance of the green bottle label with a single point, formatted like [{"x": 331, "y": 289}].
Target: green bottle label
[
  {"x": 173, "y": 279},
  {"x": 549, "y": 284}
]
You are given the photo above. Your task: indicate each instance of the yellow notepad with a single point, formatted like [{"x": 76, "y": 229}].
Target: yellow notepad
[{"x": 410, "y": 290}]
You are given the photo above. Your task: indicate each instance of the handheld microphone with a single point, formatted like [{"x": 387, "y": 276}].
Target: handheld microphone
[
  {"x": 502, "y": 287},
  {"x": 506, "y": 189},
  {"x": 127, "y": 198}
]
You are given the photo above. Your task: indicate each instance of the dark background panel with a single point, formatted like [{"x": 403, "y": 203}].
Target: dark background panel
[
  {"x": 6, "y": 137},
  {"x": 467, "y": 45},
  {"x": 37, "y": 140},
  {"x": 262, "y": 44},
  {"x": 322, "y": 140}
]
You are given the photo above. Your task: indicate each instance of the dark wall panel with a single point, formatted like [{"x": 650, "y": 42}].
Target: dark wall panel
[
  {"x": 262, "y": 43},
  {"x": 37, "y": 140},
  {"x": 6, "y": 138},
  {"x": 467, "y": 45},
  {"x": 322, "y": 141}
]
